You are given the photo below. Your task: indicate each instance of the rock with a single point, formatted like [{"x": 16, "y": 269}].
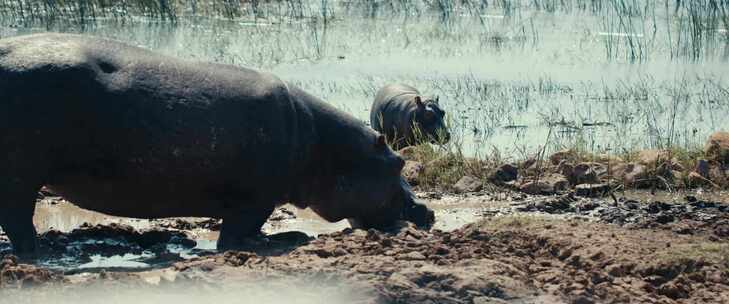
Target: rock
[
  {"x": 505, "y": 173},
  {"x": 599, "y": 169},
  {"x": 407, "y": 153},
  {"x": 533, "y": 166},
  {"x": 717, "y": 147},
  {"x": 665, "y": 218},
  {"x": 568, "y": 155},
  {"x": 237, "y": 258},
  {"x": 592, "y": 190},
  {"x": 674, "y": 290},
  {"x": 609, "y": 159},
  {"x": 488, "y": 300},
  {"x": 565, "y": 168},
  {"x": 715, "y": 277},
  {"x": 282, "y": 214},
  {"x": 339, "y": 251},
  {"x": 717, "y": 175},
  {"x": 468, "y": 184},
  {"x": 722, "y": 232},
  {"x": 696, "y": 180},
  {"x": 631, "y": 205},
  {"x": 558, "y": 182},
  {"x": 583, "y": 173},
  {"x": 13, "y": 273},
  {"x": 557, "y": 205},
  {"x": 546, "y": 185},
  {"x": 587, "y": 205},
  {"x": 657, "y": 207},
  {"x": 635, "y": 175},
  {"x": 582, "y": 299},
  {"x": 399, "y": 281},
  {"x": 412, "y": 171},
  {"x": 536, "y": 187},
  {"x": 702, "y": 167},
  {"x": 653, "y": 157},
  {"x": 678, "y": 178},
  {"x": 413, "y": 256},
  {"x": 616, "y": 270},
  {"x": 665, "y": 170},
  {"x": 323, "y": 252}
]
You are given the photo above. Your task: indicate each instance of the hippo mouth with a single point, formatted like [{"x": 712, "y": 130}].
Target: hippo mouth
[
  {"x": 419, "y": 215},
  {"x": 410, "y": 210},
  {"x": 415, "y": 212}
]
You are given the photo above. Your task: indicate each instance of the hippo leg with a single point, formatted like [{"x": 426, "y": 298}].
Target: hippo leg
[
  {"x": 17, "y": 206},
  {"x": 242, "y": 227},
  {"x": 21, "y": 177}
]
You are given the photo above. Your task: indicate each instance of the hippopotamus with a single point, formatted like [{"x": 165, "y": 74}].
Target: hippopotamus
[
  {"x": 124, "y": 131},
  {"x": 407, "y": 118}
]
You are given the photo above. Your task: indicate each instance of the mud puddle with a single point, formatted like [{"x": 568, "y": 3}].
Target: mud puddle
[
  {"x": 76, "y": 240},
  {"x": 79, "y": 241}
]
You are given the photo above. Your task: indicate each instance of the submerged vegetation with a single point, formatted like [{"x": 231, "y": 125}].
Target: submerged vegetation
[{"x": 629, "y": 30}]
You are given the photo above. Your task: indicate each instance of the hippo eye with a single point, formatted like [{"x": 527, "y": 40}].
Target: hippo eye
[{"x": 429, "y": 115}]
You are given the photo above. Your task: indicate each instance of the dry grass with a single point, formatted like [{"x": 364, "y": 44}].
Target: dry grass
[
  {"x": 444, "y": 166},
  {"x": 711, "y": 252}
]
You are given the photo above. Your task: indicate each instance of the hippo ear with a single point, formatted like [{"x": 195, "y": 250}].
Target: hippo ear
[
  {"x": 380, "y": 141},
  {"x": 419, "y": 102},
  {"x": 437, "y": 99}
]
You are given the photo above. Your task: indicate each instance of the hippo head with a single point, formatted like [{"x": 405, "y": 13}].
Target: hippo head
[
  {"x": 429, "y": 121},
  {"x": 362, "y": 183}
]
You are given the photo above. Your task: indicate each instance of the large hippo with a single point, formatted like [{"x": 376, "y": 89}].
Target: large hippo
[
  {"x": 407, "y": 118},
  {"x": 124, "y": 131}
]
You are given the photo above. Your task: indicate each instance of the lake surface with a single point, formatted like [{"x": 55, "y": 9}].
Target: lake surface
[{"x": 512, "y": 79}]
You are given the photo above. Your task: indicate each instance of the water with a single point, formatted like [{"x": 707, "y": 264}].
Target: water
[
  {"x": 512, "y": 80},
  {"x": 58, "y": 214}
]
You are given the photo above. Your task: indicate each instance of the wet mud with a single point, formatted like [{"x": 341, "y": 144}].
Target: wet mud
[{"x": 502, "y": 247}]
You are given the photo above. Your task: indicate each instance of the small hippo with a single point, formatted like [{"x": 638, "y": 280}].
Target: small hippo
[
  {"x": 406, "y": 118},
  {"x": 127, "y": 132}
]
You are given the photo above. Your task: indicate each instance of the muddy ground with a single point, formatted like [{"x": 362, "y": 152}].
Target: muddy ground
[{"x": 502, "y": 247}]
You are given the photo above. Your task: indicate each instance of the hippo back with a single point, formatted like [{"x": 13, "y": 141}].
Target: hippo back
[
  {"x": 128, "y": 120},
  {"x": 391, "y": 110}
]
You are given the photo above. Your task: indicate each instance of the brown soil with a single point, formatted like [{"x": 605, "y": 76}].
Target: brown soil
[
  {"x": 512, "y": 259},
  {"x": 15, "y": 275}
]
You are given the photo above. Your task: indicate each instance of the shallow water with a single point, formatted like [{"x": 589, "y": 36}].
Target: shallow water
[
  {"x": 57, "y": 214},
  {"x": 54, "y": 213},
  {"x": 452, "y": 212},
  {"x": 511, "y": 80}
]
